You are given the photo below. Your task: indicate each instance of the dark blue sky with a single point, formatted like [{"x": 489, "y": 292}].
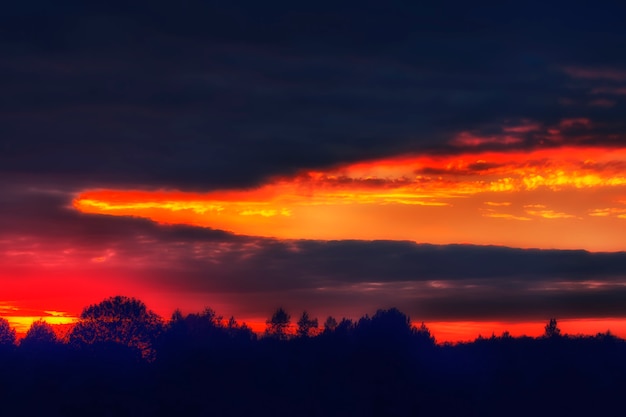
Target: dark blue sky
[{"x": 201, "y": 94}]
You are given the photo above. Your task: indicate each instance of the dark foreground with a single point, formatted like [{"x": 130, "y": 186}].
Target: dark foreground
[{"x": 379, "y": 366}]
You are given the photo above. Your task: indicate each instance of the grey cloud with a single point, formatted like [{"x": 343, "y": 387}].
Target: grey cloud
[
  {"x": 207, "y": 94},
  {"x": 429, "y": 281}
]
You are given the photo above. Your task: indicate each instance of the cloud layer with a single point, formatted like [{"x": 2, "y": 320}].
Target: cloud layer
[
  {"x": 55, "y": 251},
  {"x": 206, "y": 95}
]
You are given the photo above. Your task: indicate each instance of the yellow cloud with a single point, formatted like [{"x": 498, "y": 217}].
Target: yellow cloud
[{"x": 540, "y": 210}]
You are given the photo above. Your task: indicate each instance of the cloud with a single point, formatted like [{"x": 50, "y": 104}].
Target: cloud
[
  {"x": 611, "y": 74},
  {"x": 53, "y": 255},
  {"x": 208, "y": 95},
  {"x": 581, "y": 122},
  {"x": 619, "y": 91},
  {"x": 382, "y": 192},
  {"x": 497, "y": 215},
  {"x": 469, "y": 140},
  {"x": 602, "y": 103},
  {"x": 540, "y": 210},
  {"x": 619, "y": 212}
]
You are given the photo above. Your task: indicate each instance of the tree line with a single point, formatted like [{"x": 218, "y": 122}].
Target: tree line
[
  {"x": 122, "y": 359},
  {"x": 127, "y": 322}
]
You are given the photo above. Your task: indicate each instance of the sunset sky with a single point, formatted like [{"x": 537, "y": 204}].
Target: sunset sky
[{"x": 465, "y": 164}]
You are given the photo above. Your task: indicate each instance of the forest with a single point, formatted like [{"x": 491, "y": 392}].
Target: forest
[{"x": 121, "y": 359}]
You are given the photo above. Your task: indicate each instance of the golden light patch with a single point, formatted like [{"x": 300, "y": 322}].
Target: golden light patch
[
  {"x": 495, "y": 215},
  {"x": 606, "y": 212},
  {"x": 428, "y": 198},
  {"x": 541, "y": 210},
  {"x": 21, "y": 324}
]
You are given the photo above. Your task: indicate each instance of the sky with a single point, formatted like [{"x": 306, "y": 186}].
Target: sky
[{"x": 463, "y": 162}]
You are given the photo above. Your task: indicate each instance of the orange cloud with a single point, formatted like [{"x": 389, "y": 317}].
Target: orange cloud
[
  {"x": 410, "y": 197},
  {"x": 605, "y": 212},
  {"x": 496, "y": 215},
  {"x": 540, "y": 210}
]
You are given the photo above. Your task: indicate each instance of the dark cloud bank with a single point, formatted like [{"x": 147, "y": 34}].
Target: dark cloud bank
[
  {"x": 205, "y": 94},
  {"x": 432, "y": 282}
]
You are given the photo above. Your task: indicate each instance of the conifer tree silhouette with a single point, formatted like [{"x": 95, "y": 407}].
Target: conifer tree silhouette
[{"x": 278, "y": 325}]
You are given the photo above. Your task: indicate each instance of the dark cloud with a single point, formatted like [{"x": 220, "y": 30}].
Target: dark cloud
[
  {"x": 204, "y": 94},
  {"x": 255, "y": 275},
  {"x": 470, "y": 169},
  {"x": 46, "y": 220},
  {"x": 525, "y": 305}
]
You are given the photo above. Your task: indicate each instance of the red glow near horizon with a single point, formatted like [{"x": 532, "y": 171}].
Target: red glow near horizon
[
  {"x": 566, "y": 198},
  {"x": 467, "y": 331},
  {"x": 444, "y": 332}
]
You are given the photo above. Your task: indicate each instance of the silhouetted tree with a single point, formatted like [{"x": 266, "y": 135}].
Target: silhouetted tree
[
  {"x": 7, "y": 334},
  {"x": 39, "y": 335},
  {"x": 391, "y": 321},
  {"x": 240, "y": 332},
  {"x": 306, "y": 326},
  {"x": 386, "y": 329},
  {"x": 122, "y": 320},
  {"x": 177, "y": 315},
  {"x": 345, "y": 327},
  {"x": 278, "y": 325},
  {"x": 375, "y": 368},
  {"x": 199, "y": 325},
  {"x": 551, "y": 329},
  {"x": 199, "y": 333},
  {"x": 423, "y": 335},
  {"x": 330, "y": 324},
  {"x": 210, "y": 317},
  {"x": 208, "y": 320},
  {"x": 607, "y": 336}
]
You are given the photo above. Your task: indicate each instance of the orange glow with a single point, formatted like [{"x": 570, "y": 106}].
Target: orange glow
[
  {"x": 547, "y": 198},
  {"x": 420, "y": 198},
  {"x": 21, "y": 318},
  {"x": 464, "y": 331},
  {"x": 444, "y": 332}
]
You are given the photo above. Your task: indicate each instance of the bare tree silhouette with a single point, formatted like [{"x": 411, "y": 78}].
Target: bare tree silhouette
[
  {"x": 7, "y": 334},
  {"x": 39, "y": 335},
  {"x": 120, "y": 320}
]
